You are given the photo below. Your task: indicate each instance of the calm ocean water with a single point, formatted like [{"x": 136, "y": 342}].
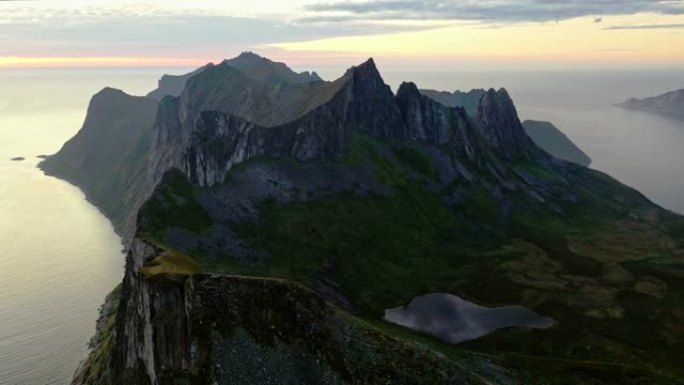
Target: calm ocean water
[{"x": 59, "y": 256}]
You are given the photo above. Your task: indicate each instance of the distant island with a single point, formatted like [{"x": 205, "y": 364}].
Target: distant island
[
  {"x": 555, "y": 142},
  {"x": 18, "y": 158},
  {"x": 671, "y": 103}
]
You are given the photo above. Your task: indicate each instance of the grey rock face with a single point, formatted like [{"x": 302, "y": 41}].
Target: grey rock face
[
  {"x": 425, "y": 119},
  {"x": 429, "y": 121},
  {"x": 362, "y": 103},
  {"x": 210, "y": 329},
  {"x": 500, "y": 125},
  {"x": 368, "y": 103}
]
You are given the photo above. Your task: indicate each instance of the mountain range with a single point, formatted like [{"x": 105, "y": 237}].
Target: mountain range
[
  {"x": 271, "y": 218},
  {"x": 248, "y": 86}
]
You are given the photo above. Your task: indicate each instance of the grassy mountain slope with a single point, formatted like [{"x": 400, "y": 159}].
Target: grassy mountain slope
[{"x": 608, "y": 269}]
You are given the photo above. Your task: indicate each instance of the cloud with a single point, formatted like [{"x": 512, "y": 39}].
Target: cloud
[
  {"x": 647, "y": 26},
  {"x": 151, "y": 31},
  {"x": 485, "y": 10}
]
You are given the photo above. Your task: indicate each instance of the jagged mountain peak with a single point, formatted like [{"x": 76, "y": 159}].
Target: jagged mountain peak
[
  {"x": 367, "y": 67},
  {"x": 408, "y": 89},
  {"x": 500, "y": 125},
  {"x": 250, "y": 55},
  {"x": 367, "y": 79},
  {"x": 501, "y": 97}
]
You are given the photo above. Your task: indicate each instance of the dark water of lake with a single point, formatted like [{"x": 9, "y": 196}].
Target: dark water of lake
[{"x": 455, "y": 320}]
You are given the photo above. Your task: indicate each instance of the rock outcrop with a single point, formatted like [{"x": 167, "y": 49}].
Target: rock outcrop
[{"x": 500, "y": 126}]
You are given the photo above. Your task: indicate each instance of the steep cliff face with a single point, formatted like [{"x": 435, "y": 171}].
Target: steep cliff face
[
  {"x": 500, "y": 125},
  {"x": 429, "y": 121},
  {"x": 360, "y": 102},
  {"x": 174, "y": 328},
  {"x": 104, "y": 158}
]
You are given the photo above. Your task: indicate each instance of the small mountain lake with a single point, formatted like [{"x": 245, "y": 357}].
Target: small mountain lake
[{"x": 455, "y": 320}]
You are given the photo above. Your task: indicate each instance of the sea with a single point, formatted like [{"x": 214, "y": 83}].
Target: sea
[{"x": 59, "y": 256}]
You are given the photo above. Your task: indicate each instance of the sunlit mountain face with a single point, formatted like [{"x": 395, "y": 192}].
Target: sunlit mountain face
[{"x": 341, "y": 192}]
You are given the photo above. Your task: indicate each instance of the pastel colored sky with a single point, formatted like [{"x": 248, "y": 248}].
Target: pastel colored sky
[{"x": 475, "y": 33}]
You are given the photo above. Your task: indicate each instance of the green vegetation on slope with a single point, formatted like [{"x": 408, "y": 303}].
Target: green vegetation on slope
[
  {"x": 92, "y": 370},
  {"x": 174, "y": 204},
  {"x": 609, "y": 270}
]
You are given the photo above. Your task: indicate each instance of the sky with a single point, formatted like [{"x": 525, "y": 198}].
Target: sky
[{"x": 475, "y": 33}]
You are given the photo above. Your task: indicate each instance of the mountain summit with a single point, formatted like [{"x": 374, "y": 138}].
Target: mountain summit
[{"x": 250, "y": 64}]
